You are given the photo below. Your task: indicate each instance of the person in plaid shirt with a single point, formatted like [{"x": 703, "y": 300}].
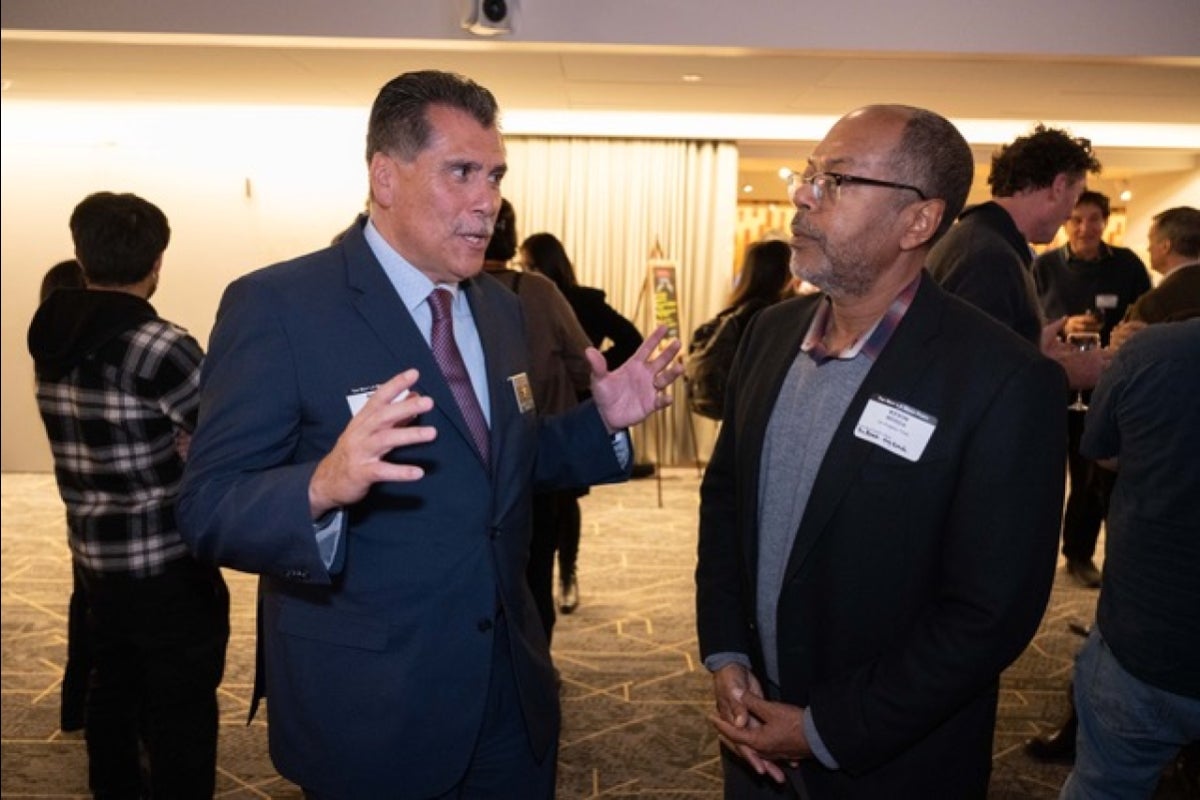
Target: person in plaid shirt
[{"x": 117, "y": 388}]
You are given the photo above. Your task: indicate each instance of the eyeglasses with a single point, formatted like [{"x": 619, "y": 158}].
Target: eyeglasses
[{"x": 829, "y": 184}]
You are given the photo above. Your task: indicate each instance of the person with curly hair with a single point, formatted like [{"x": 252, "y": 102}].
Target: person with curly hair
[{"x": 1036, "y": 181}]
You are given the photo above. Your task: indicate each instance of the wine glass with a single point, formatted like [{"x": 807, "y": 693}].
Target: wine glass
[{"x": 1082, "y": 341}]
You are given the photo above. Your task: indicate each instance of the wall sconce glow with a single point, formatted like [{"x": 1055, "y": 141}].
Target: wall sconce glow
[
  {"x": 692, "y": 77},
  {"x": 747, "y": 189},
  {"x": 785, "y": 173},
  {"x": 1126, "y": 193}
]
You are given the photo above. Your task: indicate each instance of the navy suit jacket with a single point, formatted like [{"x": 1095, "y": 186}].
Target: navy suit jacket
[
  {"x": 376, "y": 669},
  {"x": 910, "y": 585}
]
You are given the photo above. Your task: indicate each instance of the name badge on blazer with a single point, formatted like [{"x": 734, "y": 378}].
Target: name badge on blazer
[
  {"x": 357, "y": 398},
  {"x": 522, "y": 391},
  {"x": 895, "y": 427}
]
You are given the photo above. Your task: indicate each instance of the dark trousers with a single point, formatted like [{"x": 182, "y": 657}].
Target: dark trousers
[
  {"x": 554, "y": 514},
  {"x": 79, "y": 658},
  {"x": 569, "y": 529},
  {"x": 1087, "y": 503},
  {"x": 502, "y": 764},
  {"x": 158, "y": 647},
  {"x": 743, "y": 783}
]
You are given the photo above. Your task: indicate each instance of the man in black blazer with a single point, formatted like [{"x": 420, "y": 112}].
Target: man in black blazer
[
  {"x": 382, "y": 492},
  {"x": 879, "y": 520}
]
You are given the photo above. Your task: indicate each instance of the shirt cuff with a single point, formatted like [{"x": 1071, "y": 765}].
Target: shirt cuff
[
  {"x": 717, "y": 661},
  {"x": 328, "y": 530},
  {"x": 622, "y": 448}
]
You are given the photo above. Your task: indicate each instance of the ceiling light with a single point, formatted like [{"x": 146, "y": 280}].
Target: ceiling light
[
  {"x": 692, "y": 77},
  {"x": 748, "y": 188},
  {"x": 785, "y": 173}
]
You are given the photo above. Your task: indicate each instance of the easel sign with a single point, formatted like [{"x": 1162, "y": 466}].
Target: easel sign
[{"x": 665, "y": 287}]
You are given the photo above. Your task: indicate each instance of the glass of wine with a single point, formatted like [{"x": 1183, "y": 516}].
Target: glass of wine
[{"x": 1082, "y": 340}]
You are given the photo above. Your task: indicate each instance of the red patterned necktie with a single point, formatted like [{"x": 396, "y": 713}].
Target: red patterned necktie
[{"x": 450, "y": 361}]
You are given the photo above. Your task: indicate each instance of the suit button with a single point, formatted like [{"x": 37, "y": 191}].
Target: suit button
[{"x": 485, "y": 625}]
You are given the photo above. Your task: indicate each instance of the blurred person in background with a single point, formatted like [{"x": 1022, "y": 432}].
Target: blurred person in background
[
  {"x": 1092, "y": 284},
  {"x": 560, "y": 376},
  {"x": 544, "y": 253},
  {"x": 118, "y": 391}
]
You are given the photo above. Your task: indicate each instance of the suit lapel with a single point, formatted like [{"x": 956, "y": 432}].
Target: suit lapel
[
  {"x": 381, "y": 308},
  {"x": 898, "y": 369}
]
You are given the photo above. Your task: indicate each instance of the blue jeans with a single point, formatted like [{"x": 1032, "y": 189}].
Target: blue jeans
[{"x": 1129, "y": 731}]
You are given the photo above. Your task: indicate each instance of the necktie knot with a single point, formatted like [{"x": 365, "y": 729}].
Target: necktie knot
[{"x": 440, "y": 301}]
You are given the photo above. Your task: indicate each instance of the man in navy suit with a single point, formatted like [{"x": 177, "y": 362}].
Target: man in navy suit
[
  {"x": 387, "y": 512},
  {"x": 879, "y": 519}
]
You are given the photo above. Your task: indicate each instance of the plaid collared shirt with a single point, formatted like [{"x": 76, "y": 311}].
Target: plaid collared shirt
[
  {"x": 113, "y": 422},
  {"x": 871, "y": 343}
]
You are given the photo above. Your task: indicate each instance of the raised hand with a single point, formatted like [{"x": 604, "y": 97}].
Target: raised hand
[{"x": 637, "y": 388}]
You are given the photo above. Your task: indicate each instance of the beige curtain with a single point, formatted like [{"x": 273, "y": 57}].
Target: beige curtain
[{"x": 614, "y": 202}]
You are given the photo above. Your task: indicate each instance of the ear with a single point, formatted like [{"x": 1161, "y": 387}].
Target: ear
[
  {"x": 921, "y": 221},
  {"x": 1061, "y": 185},
  {"x": 382, "y": 176}
]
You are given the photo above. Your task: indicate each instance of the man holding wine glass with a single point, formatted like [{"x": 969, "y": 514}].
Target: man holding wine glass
[
  {"x": 1036, "y": 181},
  {"x": 1092, "y": 283}
]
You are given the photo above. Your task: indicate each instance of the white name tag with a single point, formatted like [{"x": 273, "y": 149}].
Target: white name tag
[
  {"x": 1106, "y": 302},
  {"x": 895, "y": 427},
  {"x": 358, "y": 398}
]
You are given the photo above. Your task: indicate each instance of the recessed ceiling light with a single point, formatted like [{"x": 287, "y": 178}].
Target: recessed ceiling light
[
  {"x": 692, "y": 77},
  {"x": 747, "y": 189},
  {"x": 785, "y": 173}
]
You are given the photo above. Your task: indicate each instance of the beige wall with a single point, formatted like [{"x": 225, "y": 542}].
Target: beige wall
[{"x": 237, "y": 198}]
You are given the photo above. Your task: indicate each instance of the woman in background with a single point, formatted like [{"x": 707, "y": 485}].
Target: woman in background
[
  {"x": 544, "y": 253},
  {"x": 765, "y": 279}
]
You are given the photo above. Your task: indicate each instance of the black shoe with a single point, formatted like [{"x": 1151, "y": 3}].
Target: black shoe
[
  {"x": 1057, "y": 745},
  {"x": 70, "y": 724},
  {"x": 569, "y": 599},
  {"x": 1084, "y": 571}
]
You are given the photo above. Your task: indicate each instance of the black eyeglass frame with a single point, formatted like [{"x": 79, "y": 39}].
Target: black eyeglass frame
[{"x": 840, "y": 178}]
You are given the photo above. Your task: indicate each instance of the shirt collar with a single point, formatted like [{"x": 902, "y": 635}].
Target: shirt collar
[
  {"x": 872, "y": 342},
  {"x": 410, "y": 283}
]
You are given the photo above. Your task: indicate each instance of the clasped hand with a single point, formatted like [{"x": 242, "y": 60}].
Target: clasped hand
[{"x": 760, "y": 731}]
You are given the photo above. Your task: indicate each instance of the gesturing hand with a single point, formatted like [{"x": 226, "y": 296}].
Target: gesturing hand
[
  {"x": 346, "y": 474},
  {"x": 637, "y": 388}
]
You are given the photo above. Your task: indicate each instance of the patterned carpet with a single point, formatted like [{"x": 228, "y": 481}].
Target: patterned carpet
[{"x": 634, "y": 693}]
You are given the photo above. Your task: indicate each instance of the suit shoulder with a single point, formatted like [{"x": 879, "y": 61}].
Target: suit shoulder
[{"x": 314, "y": 265}]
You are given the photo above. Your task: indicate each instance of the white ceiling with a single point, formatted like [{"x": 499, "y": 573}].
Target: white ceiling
[{"x": 589, "y": 79}]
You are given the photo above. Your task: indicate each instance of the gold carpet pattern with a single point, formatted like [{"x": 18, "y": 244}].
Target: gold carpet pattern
[{"x": 634, "y": 693}]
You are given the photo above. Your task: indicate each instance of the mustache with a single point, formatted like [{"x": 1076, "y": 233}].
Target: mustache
[
  {"x": 486, "y": 231},
  {"x": 800, "y": 227}
]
